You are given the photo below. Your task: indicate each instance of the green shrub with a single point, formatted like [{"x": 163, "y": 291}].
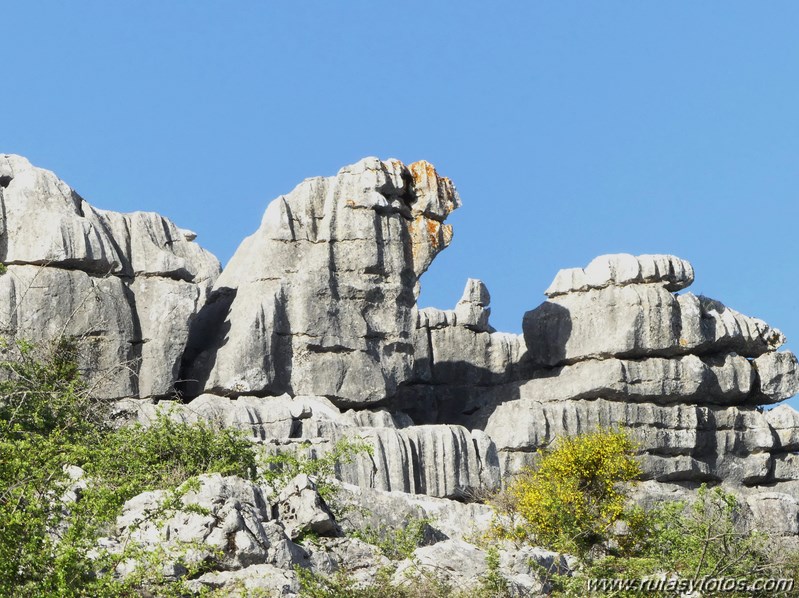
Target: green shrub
[
  {"x": 573, "y": 500},
  {"x": 49, "y": 422},
  {"x": 573, "y": 495},
  {"x": 396, "y": 543}
]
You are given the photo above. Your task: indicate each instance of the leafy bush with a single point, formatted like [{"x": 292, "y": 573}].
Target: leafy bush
[
  {"x": 706, "y": 538},
  {"x": 573, "y": 495},
  {"x": 49, "y": 424},
  {"x": 396, "y": 543},
  {"x": 574, "y": 500}
]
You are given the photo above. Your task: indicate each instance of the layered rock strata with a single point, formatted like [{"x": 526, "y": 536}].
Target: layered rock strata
[
  {"x": 312, "y": 334},
  {"x": 446, "y": 461}
]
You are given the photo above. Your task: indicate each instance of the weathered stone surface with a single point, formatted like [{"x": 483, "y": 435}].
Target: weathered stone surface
[
  {"x": 723, "y": 379},
  {"x": 472, "y": 310},
  {"x": 459, "y": 347},
  {"x": 439, "y": 460},
  {"x": 229, "y": 520},
  {"x": 678, "y": 442},
  {"x": 786, "y": 467},
  {"x": 263, "y": 579},
  {"x": 442, "y": 461},
  {"x": 151, "y": 245},
  {"x": 127, "y": 286},
  {"x": 462, "y": 565},
  {"x": 376, "y": 509},
  {"x": 775, "y": 513},
  {"x": 268, "y": 418},
  {"x": 130, "y": 335},
  {"x": 321, "y": 299},
  {"x": 622, "y": 269},
  {"x": 361, "y": 561},
  {"x": 462, "y": 356},
  {"x": 45, "y": 304},
  {"x": 44, "y": 222},
  {"x": 163, "y": 309},
  {"x": 784, "y": 420},
  {"x": 454, "y": 561},
  {"x": 302, "y": 511},
  {"x": 640, "y": 321},
  {"x": 778, "y": 373}
]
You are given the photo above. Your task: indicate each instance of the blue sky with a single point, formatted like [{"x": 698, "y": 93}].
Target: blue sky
[{"x": 571, "y": 129}]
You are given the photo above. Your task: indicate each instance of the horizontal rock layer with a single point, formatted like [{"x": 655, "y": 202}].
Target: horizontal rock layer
[
  {"x": 640, "y": 321},
  {"x": 622, "y": 269},
  {"x": 438, "y": 460}
]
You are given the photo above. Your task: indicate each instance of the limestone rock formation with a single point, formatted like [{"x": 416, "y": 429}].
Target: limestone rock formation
[
  {"x": 226, "y": 520},
  {"x": 437, "y": 460},
  {"x": 623, "y": 269},
  {"x": 125, "y": 287},
  {"x": 617, "y": 348},
  {"x": 312, "y": 334},
  {"x": 321, "y": 300}
]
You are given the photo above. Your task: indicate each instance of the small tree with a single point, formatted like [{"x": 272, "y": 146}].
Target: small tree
[{"x": 574, "y": 494}]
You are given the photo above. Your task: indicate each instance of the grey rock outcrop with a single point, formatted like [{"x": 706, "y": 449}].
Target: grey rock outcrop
[
  {"x": 125, "y": 287},
  {"x": 622, "y": 269},
  {"x": 462, "y": 565},
  {"x": 613, "y": 346},
  {"x": 460, "y": 347},
  {"x": 226, "y": 520},
  {"x": 302, "y": 511},
  {"x": 439, "y": 460},
  {"x": 321, "y": 300},
  {"x": 640, "y": 320},
  {"x": 368, "y": 508},
  {"x": 263, "y": 579},
  {"x": 361, "y": 561}
]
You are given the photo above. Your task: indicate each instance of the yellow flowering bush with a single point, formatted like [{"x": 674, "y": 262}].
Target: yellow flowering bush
[{"x": 574, "y": 494}]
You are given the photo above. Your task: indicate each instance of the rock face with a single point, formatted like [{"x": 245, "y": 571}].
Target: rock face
[
  {"x": 614, "y": 346},
  {"x": 437, "y": 460},
  {"x": 125, "y": 287},
  {"x": 321, "y": 300},
  {"x": 312, "y": 334}
]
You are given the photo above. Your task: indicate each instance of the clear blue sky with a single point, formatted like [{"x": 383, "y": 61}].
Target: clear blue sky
[{"x": 571, "y": 129}]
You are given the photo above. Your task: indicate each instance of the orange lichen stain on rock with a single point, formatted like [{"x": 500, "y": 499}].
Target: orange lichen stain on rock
[
  {"x": 422, "y": 171},
  {"x": 424, "y": 235},
  {"x": 427, "y": 238},
  {"x": 433, "y": 228},
  {"x": 446, "y": 233}
]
